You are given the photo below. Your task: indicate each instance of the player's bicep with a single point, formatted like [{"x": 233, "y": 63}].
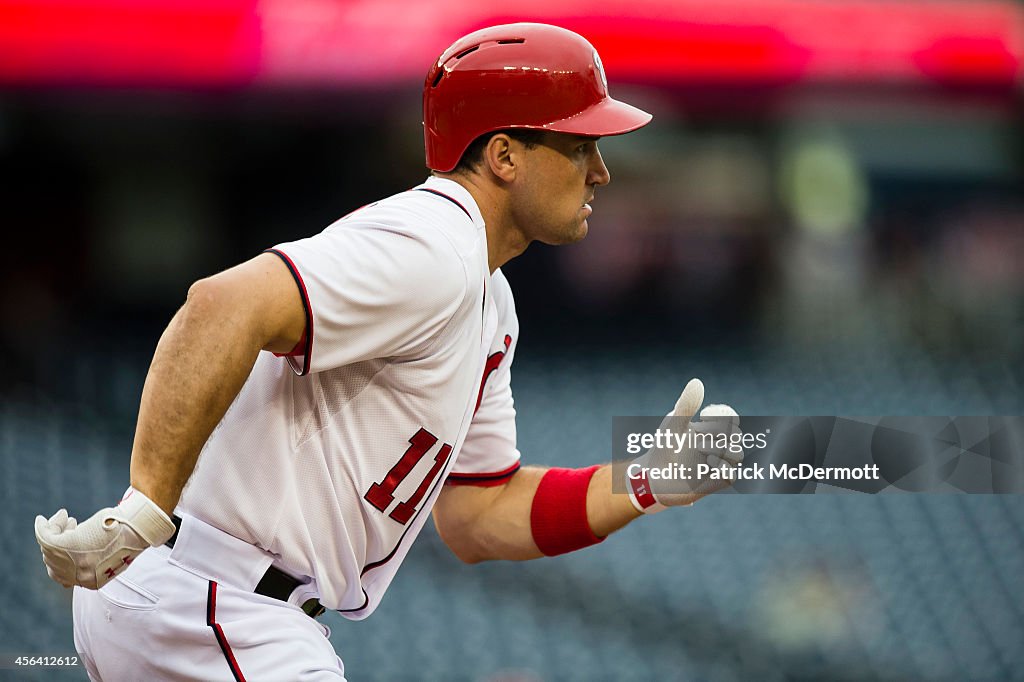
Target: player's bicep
[{"x": 264, "y": 294}]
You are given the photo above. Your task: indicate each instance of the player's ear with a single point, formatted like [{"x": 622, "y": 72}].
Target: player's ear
[{"x": 501, "y": 156}]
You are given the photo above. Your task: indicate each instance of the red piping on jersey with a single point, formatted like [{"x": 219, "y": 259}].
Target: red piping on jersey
[
  {"x": 366, "y": 601},
  {"x": 218, "y": 631},
  {"x": 442, "y": 194},
  {"x": 297, "y": 350},
  {"x": 307, "y": 334},
  {"x": 484, "y": 480}
]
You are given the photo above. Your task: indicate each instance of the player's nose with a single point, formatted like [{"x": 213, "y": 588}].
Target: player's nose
[{"x": 598, "y": 172}]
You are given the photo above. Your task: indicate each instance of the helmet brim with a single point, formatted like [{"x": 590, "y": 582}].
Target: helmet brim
[{"x": 607, "y": 117}]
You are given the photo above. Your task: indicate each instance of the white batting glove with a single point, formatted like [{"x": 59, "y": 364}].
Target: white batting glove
[
  {"x": 718, "y": 424},
  {"x": 91, "y": 553}
]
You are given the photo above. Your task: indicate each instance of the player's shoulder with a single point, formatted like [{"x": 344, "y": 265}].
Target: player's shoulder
[{"x": 404, "y": 223}]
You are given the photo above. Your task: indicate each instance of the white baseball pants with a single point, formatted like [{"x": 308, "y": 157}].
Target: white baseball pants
[{"x": 189, "y": 613}]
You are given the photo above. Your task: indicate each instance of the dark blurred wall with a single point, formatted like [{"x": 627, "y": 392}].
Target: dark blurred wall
[{"x": 804, "y": 220}]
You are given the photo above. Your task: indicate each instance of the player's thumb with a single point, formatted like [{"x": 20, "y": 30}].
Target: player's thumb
[
  {"x": 44, "y": 533},
  {"x": 690, "y": 399}
]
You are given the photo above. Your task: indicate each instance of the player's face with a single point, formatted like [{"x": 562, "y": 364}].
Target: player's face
[{"x": 562, "y": 173}]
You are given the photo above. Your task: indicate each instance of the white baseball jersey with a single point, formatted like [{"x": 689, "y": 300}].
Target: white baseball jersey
[{"x": 331, "y": 458}]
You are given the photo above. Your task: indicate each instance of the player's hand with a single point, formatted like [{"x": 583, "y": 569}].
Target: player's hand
[
  {"x": 710, "y": 441},
  {"x": 94, "y": 551}
]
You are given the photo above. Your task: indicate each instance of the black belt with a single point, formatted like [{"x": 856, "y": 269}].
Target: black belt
[{"x": 275, "y": 583}]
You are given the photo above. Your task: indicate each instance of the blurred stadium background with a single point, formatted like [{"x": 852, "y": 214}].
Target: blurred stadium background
[{"x": 826, "y": 217}]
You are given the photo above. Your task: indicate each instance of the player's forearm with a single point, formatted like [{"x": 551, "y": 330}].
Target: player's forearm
[
  {"x": 607, "y": 511},
  {"x": 483, "y": 524},
  {"x": 203, "y": 358}
]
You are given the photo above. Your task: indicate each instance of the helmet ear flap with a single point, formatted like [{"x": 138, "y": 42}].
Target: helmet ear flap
[{"x": 532, "y": 76}]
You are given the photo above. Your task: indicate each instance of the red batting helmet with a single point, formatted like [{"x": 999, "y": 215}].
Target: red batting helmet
[{"x": 518, "y": 76}]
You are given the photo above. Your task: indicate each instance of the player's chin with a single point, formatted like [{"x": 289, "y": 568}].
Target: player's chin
[
  {"x": 572, "y": 234},
  {"x": 582, "y": 231},
  {"x": 567, "y": 233},
  {"x": 578, "y": 229}
]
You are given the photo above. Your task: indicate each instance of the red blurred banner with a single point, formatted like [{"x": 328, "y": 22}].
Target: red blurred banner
[
  {"x": 129, "y": 42},
  {"x": 332, "y": 43}
]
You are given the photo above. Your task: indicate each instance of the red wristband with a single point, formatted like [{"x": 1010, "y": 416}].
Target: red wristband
[{"x": 558, "y": 517}]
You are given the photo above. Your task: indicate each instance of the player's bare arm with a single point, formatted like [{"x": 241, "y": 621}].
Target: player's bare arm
[
  {"x": 542, "y": 512},
  {"x": 483, "y": 524},
  {"x": 203, "y": 358},
  {"x": 201, "y": 362}
]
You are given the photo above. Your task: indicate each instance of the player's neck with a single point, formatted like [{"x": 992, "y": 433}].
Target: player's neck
[{"x": 504, "y": 240}]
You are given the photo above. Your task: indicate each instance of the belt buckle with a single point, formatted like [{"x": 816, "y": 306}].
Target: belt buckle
[{"x": 313, "y": 608}]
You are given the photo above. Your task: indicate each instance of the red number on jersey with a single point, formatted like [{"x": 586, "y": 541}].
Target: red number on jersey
[{"x": 382, "y": 494}]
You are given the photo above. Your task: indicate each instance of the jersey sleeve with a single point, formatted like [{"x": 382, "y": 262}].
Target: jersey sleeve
[
  {"x": 370, "y": 291},
  {"x": 489, "y": 455}
]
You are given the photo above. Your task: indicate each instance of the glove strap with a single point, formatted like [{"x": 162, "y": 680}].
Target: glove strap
[
  {"x": 145, "y": 517},
  {"x": 641, "y": 495}
]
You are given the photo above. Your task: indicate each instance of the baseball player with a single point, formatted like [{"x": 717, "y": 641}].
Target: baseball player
[{"x": 307, "y": 410}]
